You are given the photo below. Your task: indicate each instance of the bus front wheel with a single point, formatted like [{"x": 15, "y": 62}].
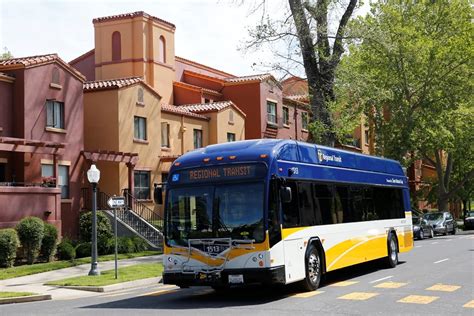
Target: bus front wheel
[
  {"x": 392, "y": 258},
  {"x": 313, "y": 270}
]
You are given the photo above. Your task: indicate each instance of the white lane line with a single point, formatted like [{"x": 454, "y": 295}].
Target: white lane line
[
  {"x": 443, "y": 260},
  {"x": 434, "y": 243},
  {"x": 418, "y": 246},
  {"x": 378, "y": 280},
  {"x": 448, "y": 240}
]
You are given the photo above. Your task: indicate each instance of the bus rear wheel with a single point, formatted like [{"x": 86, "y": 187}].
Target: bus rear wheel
[
  {"x": 313, "y": 270},
  {"x": 392, "y": 258}
]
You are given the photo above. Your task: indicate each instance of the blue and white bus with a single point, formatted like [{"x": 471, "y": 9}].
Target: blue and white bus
[{"x": 280, "y": 211}]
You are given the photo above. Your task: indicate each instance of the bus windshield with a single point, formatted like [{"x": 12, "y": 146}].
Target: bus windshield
[{"x": 211, "y": 211}]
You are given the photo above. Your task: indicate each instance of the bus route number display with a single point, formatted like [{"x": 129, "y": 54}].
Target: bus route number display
[{"x": 229, "y": 172}]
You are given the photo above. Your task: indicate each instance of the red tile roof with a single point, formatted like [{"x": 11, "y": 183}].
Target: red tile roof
[
  {"x": 210, "y": 107},
  {"x": 111, "y": 84},
  {"x": 181, "y": 111},
  {"x": 32, "y": 61},
  {"x": 298, "y": 97},
  {"x": 195, "y": 88},
  {"x": 198, "y": 65},
  {"x": 301, "y": 100},
  {"x": 253, "y": 78},
  {"x": 131, "y": 16}
]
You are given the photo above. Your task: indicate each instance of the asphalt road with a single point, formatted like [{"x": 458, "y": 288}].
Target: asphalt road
[{"x": 436, "y": 278}]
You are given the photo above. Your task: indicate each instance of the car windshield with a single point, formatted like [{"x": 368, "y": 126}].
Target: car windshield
[
  {"x": 416, "y": 220},
  {"x": 433, "y": 216},
  {"x": 470, "y": 214},
  {"x": 228, "y": 210}
]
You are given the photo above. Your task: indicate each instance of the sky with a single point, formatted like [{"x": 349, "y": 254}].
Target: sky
[{"x": 207, "y": 31}]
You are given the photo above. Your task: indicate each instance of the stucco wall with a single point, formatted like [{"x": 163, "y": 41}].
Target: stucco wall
[
  {"x": 86, "y": 66},
  {"x": 219, "y": 126},
  {"x": 6, "y": 104}
]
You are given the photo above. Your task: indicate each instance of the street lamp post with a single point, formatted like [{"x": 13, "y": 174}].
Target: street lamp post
[{"x": 93, "y": 175}]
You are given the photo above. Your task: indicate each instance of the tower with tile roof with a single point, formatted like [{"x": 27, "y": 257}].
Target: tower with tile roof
[{"x": 136, "y": 45}]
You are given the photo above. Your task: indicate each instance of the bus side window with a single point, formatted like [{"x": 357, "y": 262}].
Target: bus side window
[
  {"x": 291, "y": 214},
  {"x": 307, "y": 211},
  {"x": 323, "y": 200},
  {"x": 274, "y": 230}
]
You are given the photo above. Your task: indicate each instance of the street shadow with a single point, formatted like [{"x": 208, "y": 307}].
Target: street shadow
[{"x": 205, "y": 297}]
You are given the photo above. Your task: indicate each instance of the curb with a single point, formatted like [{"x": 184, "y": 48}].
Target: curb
[
  {"x": 115, "y": 287},
  {"x": 24, "y": 299}
]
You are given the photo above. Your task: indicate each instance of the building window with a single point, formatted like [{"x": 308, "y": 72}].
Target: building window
[
  {"x": 142, "y": 185},
  {"x": 207, "y": 100},
  {"x": 304, "y": 120},
  {"x": 230, "y": 137},
  {"x": 162, "y": 50},
  {"x": 140, "y": 128},
  {"x": 55, "y": 76},
  {"x": 164, "y": 177},
  {"x": 54, "y": 114},
  {"x": 367, "y": 138},
  {"x": 165, "y": 135},
  {"x": 197, "y": 138},
  {"x": 271, "y": 112},
  {"x": 116, "y": 46},
  {"x": 140, "y": 95},
  {"x": 47, "y": 171},
  {"x": 286, "y": 116}
]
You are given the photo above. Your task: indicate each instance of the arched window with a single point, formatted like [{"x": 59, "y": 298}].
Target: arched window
[
  {"x": 140, "y": 95},
  {"x": 55, "y": 76},
  {"x": 116, "y": 46},
  {"x": 231, "y": 116},
  {"x": 162, "y": 50}
]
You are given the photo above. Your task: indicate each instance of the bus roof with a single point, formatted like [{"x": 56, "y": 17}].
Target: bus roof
[{"x": 288, "y": 150}]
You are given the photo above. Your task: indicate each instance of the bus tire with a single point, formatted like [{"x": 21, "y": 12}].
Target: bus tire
[
  {"x": 392, "y": 257},
  {"x": 313, "y": 269}
]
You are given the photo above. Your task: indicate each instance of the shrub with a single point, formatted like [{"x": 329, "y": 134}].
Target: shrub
[
  {"x": 8, "y": 245},
  {"x": 125, "y": 245},
  {"x": 31, "y": 231},
  {"x": 66, "y": 251},
  {"x": 49, "y": 242},
  {"x": 104, "y": 231},
  {"x": 83, "y": 250},
  {"x": 139, "y": 244}
]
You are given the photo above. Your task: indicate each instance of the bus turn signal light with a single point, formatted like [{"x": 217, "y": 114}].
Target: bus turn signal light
[
  {"x": 263, "y": 156},
  {"x": 206, "y": 159},
  {"x": 220, "y": 158},
  {"x": 232, "y": 157},
  {"x": 177, "y": 164}
]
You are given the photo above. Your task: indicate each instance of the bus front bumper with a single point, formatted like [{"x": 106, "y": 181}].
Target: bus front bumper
[{"x": 273, "y": 275}]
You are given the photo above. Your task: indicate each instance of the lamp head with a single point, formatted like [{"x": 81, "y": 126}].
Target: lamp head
[{"x": 93, "y": 174}]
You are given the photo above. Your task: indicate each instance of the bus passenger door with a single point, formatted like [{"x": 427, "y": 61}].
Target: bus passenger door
[{"x": 293, "y": 245}]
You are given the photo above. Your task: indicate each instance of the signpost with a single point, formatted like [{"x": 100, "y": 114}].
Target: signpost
[{"x": 116, "y": 202}]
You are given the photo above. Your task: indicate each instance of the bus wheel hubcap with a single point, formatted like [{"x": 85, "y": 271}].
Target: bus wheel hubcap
[
  {"x": 313, "y": 267},
  {"x": 393, "y": 250}
]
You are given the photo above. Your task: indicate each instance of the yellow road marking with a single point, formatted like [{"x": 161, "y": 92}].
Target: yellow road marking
[
  {"x": 390, "y": 285},
  {"x": 443, "y": 287},
  {"x": 418, "y": 299},
  {"x": 158, "y": 293},
  {"x": 358, "y": 296},
  {"x": 344, "y": 283},
  {"x": 307, "y": 294},
  {"x": 469, "y": 304}
]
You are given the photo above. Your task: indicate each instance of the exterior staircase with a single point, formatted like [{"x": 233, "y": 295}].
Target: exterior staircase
[
  {"x": 271, "y": 131},
  {"x": 135, "y": 216}
]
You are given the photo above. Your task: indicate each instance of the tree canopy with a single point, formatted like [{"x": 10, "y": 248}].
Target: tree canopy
[{"x": 410, "y": 67}]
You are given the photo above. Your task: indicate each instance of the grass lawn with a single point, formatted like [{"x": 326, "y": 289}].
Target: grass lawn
[
  {"x": 125, "y": 274},
  {"x": 15, "y": 294},
  {"x": 14, "y": 272}
]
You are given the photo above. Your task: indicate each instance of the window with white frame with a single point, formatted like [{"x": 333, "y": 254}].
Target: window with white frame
[
  {"x": 142, "y": 184},
  {"x": 304, "y": 120},
  {"x": 47, "y": 171},
  {"x": 55, "y": 114},
  {"x": 140, "y": 128},
  {"x": 286, "y": 116},
  {"x": 197, "y": 136},
  {"x": 271, "y": 112},
  {"x": 165, "y": 135}
]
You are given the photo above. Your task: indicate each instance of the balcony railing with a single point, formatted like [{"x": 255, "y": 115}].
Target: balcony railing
[{"x": 28, "y": 184}]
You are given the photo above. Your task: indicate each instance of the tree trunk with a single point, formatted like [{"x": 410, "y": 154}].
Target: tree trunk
[{"x": 443, "y": 201}]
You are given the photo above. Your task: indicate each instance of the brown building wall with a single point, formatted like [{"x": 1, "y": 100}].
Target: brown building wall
[
  {"x": 182, "y": 65},
  {"x": 186, "y": 96},
  {"x": 6, "y": 104},
  {"x": 247, "y": 98},
  {"x": 86, "y": 65}
]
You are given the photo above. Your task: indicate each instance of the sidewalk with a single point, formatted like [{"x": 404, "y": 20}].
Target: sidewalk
[{"x": 34, "y": 283}]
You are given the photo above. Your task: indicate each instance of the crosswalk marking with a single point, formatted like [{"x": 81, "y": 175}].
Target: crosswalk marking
[
  {"x": 443, "y": 287},
  {"x": 469, "y": 304},
  {"x": 344, "y": 283},
  {"x": 307, "y": 294},
  {"x": 358, "y": 296},
  {"x": 390, "y": 285},
  {"x": 418, "y": 299}
]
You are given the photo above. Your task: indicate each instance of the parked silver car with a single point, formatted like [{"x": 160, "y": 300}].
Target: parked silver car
[{"x": 442, "y": 222}]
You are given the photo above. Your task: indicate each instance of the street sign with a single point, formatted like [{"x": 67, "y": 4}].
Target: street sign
[{"x": 116, "y": 202}]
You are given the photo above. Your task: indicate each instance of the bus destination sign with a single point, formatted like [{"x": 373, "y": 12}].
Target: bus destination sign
[{"x": 217, "y": 173}]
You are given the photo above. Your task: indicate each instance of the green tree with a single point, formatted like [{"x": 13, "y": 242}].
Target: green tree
[
  {"x": 6, "y": 54},
  {"x": 410, "y": 67},
  {"x": 304, "y": 37}
]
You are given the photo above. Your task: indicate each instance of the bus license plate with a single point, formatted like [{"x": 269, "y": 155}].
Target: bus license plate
[{"x": 236, "y": 278}]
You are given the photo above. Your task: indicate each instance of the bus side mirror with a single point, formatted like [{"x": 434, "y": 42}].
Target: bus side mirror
[
  {"x": 158, "y": 194},
  {"x": 285, "y": 194}
]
